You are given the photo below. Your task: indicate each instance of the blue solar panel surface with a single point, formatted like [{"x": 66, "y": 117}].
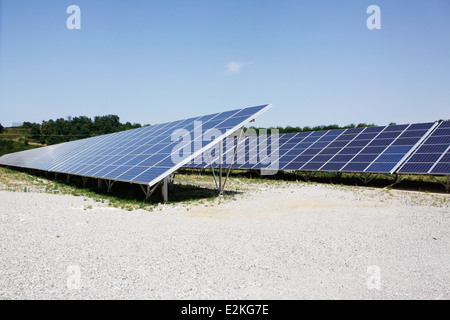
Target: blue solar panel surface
[
  {"x": 385, "y": 152},
  {"x": 433, "y": 155},
  {"x": 371, "y": 149},
  {"x": 143, "y": 155}
]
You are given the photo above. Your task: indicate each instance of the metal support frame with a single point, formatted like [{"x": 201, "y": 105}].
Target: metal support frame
[
  {"x": 109, "y": 185},
  {"x": 445, "y": 184},
  {"x": 85, "y": 179},
  {"x": 219, "y": 181},
  {"x": 172, "y": 176},
  {"x": 397, "y": 179},
  {"x": 148, "y": 191},
  {"x": 165, "y": 189},
  {"x": 308, "y": 175},
  {"x": 67, "y": 178},
  {"x": 367, "y": 177},
  {"x": 220, "y": 166},
  {"x": 220, "y": 186},
  {"x": 213, "y": 172},
  {"x": 232, "y": 160},
  {"x": 100, "y": 183},
  {"x": 338, "y": 174}
]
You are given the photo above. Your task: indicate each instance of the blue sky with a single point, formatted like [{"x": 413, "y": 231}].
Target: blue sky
[{"x": 157, "y": 61}]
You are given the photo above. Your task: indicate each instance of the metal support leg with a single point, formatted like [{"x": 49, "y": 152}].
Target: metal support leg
[
  {"x": 147, "y": 191},
  {"x": 220, "y": 167},
  {"x": 397, "y": 179},
  {"x": 172, "y": 176},
  {"x": 165, "y": 190},
  {"x": 100, "y": 183},
  {"x": 68, "y": 178},
  {"x": 109, "y": 185},
  {"x": 446, "y": 184},
  {"x": 234, "y": 155},
  {"x": 213, "y": 172},
  {"x": 308, "y": 176},
  {"x": 84, "y": 181},
  {"x": 367, "y": 178}
]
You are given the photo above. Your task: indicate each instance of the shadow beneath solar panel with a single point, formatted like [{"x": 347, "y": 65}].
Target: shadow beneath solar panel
[
  {"x": 181, "y": 192},
  {"x": 127, "y": 192},
  {"x": 418, "y": 183},
  {"x": 381, "y": 181},
  {"x": 133, "y": 192}
]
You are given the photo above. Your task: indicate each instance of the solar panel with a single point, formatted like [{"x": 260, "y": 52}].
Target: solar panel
[
  {"x": 400, "y": 147},
  {"x": 378, "y": 149},
  {"x": 370, "y": 150},
  {"x": 253, "y": 152},
  {"x": 211, "y": 156},
  {"x": 143, "y": 156},
  {"x": 331, "y": 150},
  {"x": 433, "y": 154}
]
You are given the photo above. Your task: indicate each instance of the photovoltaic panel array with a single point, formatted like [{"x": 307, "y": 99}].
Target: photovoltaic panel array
[
  {"x": 433, "y": 154},
  {"x": 371, "y": 150},
  {"x": 309, "y": 151},
  {"x": 143, "y": 156},
  {"x": 211, "y": 156},
  {"x": 380, "y": 149}
]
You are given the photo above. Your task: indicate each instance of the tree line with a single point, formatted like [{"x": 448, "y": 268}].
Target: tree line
[
  {"x": 290, "y": 129},
  {"x": 65, "y": 130},
  {"x": 32, "y": 135}
]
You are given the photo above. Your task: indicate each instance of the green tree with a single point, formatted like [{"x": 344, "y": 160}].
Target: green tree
[
  {"x": 6, "y": 146},
  {"x": 1, "y": 128},
  {"x": 106, "y": 124},
  {"x": 35, "y": 131}
]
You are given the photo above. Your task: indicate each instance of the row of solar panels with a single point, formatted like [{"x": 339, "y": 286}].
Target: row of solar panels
[
  {"x": 148, "y": 155},
  {"x": 142, "y": 156},
  {"x": 422, "y": 148}
]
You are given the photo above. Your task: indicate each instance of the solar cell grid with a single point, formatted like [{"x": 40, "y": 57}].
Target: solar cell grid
[
  {"x": 371, "y": 149},
  {"x": 391, "y": 158},
  {"x": 305, "y": 160},
  {"x": 396, "y": 128},
  {"x": 430, "y": 156},
  {"x": 373, "y": 129}
]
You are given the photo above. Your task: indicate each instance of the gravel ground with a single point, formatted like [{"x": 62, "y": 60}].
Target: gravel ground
[{"x": 289, "y": 241}]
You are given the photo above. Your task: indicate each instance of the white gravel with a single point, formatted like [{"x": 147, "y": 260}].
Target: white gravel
[{"x": 289, "y": 241}]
